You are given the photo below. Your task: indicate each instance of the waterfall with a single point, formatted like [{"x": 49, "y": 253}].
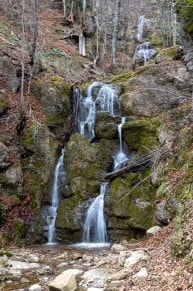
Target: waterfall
[
  {"x": 120, "y": 159},
  {"x": 144, "y": 52},
  {"x": 83, "y": 7},
  {"x": 95, "y": 227},
  {"x": 106, "y": 100},
  {"x": 52, "y": 210},
  {"x": 140, "y": 27}
]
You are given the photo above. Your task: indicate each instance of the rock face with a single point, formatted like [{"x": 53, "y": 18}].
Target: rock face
[
  {"x": 54, "y": 95},
  {"x": 156, "y": 89},
  {"x": 38, "y": 158}
]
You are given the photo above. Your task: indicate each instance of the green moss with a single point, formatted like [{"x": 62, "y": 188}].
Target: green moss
[
  {"x": 66, "y": 213},
  {"x": 27, "y": 138},
  {"x": 141, "y": 135},
  {"x": 123, "y": 77},
  {"x": 155, "y": 41},
  {"x": 169, "y": 53},
  {"x": 131, "y": 203}
]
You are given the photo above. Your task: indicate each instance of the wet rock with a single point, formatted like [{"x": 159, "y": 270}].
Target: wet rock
[
  {"x": 117, "y": 248},
  {"x": 35, "y": 287},
  {"x": 153, "y": 230},
  {"x": 64, "y": 282},
  {"x": 136, "y": 257}
]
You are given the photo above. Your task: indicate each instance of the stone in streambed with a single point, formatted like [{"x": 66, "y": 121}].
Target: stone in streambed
[{"x": 64, "y": 282}]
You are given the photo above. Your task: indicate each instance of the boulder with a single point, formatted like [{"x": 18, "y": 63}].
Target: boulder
[
  {"x": 153, "y": 230},
  {"x": 64, "y": 282},
  {"x": 136, "y": 257},
  {"x": 140, "y": 276},
  {"x": 117, "y": 248},
  {"x": 99, "y": 273},
  {"x": 35, "y": 287}
]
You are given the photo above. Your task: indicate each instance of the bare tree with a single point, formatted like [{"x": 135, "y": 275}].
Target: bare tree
[
  {"x": 115, "y": 31},
  {"x": 64, "y": 7},
  {"x": 23, "y": 58},
  {"x": 34, "y": 14}
]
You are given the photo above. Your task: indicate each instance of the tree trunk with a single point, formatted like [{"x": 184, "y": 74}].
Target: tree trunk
[
  {"x": 64, "y": 7},
  {"x": 34, "y": 14},
  {"x": 22, "y": 101},
  {"x": 115, "y": 31}
]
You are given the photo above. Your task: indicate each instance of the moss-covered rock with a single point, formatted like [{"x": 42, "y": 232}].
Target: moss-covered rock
[
  {"x": 85, "y": 165},
  {"x": 167, "y": 54},
  {"x": 38, "y": 160},
  {"x": 68, "y": 222},
  {"x": 141, "y": 135},
  {"x": 55, "y": 97},
  {"x": 106, "y": 126},
  {"x": 131, "y": 206}
]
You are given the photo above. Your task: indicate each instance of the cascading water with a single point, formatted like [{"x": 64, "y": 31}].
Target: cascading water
[
  {"x": 52, "y": 210},
  {"x": 144, "y": 52},
  {"x": 120, "y": 158},
  {"x": 106, "y": 100},
  {"x": 99, "y": 98},
  {"x": 140, "y": 28},
  {"x": 95, "y": 227}
]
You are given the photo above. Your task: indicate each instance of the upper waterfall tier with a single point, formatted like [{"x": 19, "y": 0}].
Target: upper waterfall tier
[{"x": 99, "y": 98}]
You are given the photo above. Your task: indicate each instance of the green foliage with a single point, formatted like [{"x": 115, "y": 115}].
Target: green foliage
[{"x": 185, "y": 12}]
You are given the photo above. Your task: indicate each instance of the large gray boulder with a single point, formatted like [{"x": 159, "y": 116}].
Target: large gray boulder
[
  {"x": 64, "y": 282},
  {"x": 157, "y": 88}
]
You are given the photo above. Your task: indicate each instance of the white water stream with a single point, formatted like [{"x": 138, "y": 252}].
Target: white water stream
[
  {"x": 52, "y": 210},
  {"x": 95, "y": 227},
  {"x": 140, "y": 27},
  {"x": 99, "y": 98},
  {"x": 120, "y": 158}
]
